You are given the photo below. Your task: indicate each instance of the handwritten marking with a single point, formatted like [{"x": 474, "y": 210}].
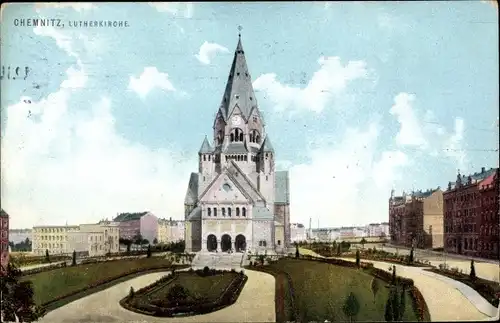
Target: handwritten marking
[{"x": 16, "y": 73}]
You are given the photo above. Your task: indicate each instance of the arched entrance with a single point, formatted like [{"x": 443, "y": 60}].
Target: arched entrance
[
  {"x": 240, "y": 243},
  {"x": 225, "y": 242},
  {"x": 211, "y": 243}
]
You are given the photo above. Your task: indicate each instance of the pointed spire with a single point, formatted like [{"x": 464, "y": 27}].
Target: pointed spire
[
  {"x": 205, "y": 147},
  {"x": 239, "y": 90},
  {"x": 266, "y": 145}
]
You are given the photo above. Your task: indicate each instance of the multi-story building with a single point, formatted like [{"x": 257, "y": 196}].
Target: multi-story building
[
  {"x": 19, "y": 235},
  {"x": 170, "y": 230},
  {"x": 377, "y": 229},
  {"x": 132, "y": 224},
  {"x": 51, "y": 238},
  {"x": 471, "y": 215},
  {"x": 297, "y": 232},
  {"x": 384, "y": 228},
  {"x": 416, "y": 219},
  {"x": 4, "y": 240}
]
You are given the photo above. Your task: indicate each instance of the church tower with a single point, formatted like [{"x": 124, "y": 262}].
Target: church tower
[{"x": 239, "y": 129}]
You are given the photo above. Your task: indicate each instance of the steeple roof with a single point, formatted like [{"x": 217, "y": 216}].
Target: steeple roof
[
  {"x": 266, "y": 145},
  {"x": 205, "y": 147},
  {"x": 239, "y": 90}
]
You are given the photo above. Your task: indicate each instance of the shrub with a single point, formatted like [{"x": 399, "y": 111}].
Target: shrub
[
  {"x": 177, "y": 294},
  {"x": 206, "y": 271},
  {"x": 472, "y": 274},
  {"x": 131, "y": 293}
]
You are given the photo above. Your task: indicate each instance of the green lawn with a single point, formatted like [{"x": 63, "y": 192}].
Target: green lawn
[
  {"x": 209, "y": 288},
  {"x": 51, "y": 284},
  {"x": 320, "y": 290}
]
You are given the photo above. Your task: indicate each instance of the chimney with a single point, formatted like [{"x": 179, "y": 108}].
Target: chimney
[{"x": 482, "y": 170}]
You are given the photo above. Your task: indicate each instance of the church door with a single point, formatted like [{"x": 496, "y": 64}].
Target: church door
[
  {"x": 211, "y": 243},
  {"x": 226, "y": 242},
  {"x": 240, "y": 243}
]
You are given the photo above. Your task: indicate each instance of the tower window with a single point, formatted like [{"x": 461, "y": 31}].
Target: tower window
[
  {"x": 246, "y": 74},
  {"x": 237, "y": 96},
  {"x": 251, "y": 99},
  {"x": 215, "y": 211},
  {"x": 229, "y": 211},
  {"x": 238, "y": 74},
  {"x": 237, "y": 211},
  {"x": 204, "y": 157},
  {"x": 209, "y": 211},
  {"x": 254, "y": 118}
]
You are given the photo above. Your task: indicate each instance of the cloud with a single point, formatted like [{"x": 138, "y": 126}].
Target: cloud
[
  {"x": 425, "y": 133},
  {"x": 61, "y": 5},
  {"x": 150, "y": 79},
  {"x": 347, "y": 181},
  {"x": 63, "y": 160},
  {"x": 410, "y": 132},
  {"x": 208, "y": 52},
  {"x": 175, "y": 8},
  {"x": 326, "y": 84}
]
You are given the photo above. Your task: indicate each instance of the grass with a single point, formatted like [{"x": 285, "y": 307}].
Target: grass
[
  {"x": 320, "y": 290},
  {"x": 50, "y": 285},
  {"x": 208, "y": 288}
]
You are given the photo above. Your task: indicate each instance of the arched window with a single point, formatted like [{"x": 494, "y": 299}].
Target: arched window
[
  {"x": 246, "y": 158},
  {"x": 254, "y": 136},
  {"x": 228, "y": 211},
  {"x": 215, "y": 211},
  {"x": 204, "y": 158},
  {"x": 223, "y": 211},
  {"x": 243, "y": 211},
  {"x": 209, "y": 157},
  {"x": 237, "y": 211},
  {"x": 236, "y": 135}
]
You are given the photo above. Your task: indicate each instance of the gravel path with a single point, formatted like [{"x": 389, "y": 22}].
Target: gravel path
[
  {"x": 255, "y": 304},
  {"x": 444, "y": 301}
]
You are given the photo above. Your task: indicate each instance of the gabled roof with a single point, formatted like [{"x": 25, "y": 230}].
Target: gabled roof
[
  {"x": 122, "y": 217},
  {"x": 205, "y": 147},
  {"x": 239, "y": 89},
  {"x": 3, "y": 214},
  {"x": 192, "y": 190},
  {"x": 261, "y": 213},
  {"x": 266, "y": 145},
  {"x": 244, "y": 181},
  {"x": 281, "y": 187},
  {"x": 475, "y": 178},
  {"x": 195, "y": 214}
]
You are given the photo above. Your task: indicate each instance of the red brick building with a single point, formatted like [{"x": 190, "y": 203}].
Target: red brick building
[
  {"x": 471, "y": 222},
  {"x": 4, "y": 240}
]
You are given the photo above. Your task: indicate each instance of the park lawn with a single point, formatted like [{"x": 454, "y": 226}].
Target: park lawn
[
  {"x": 52, "y": 284},
  {"x": 320, "y": 290},
  {"x": 208, "y": 288}
]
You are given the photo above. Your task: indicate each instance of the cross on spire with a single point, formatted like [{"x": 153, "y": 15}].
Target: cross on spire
[{"x": 239, "y": 29}]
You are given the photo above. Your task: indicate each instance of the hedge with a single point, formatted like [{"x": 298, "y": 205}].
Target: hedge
[
  {"x": 105, "y": 281},
  {"x": 228, "y": 297},
  {"x": 42, "y": 269}
]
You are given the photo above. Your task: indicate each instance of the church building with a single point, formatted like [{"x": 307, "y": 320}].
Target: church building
[{"x": 237, "y": 200}]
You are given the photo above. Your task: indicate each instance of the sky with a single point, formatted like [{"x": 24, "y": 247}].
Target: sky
[{"x": 358, "y": 97}]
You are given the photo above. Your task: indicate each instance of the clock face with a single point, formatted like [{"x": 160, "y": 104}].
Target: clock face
[{"x": 236, "y": 120}]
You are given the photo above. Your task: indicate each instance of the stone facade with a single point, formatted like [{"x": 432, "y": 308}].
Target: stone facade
[{"x": 237, "y": 200}]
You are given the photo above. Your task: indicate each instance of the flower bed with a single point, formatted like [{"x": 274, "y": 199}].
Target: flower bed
[
  {"x": 486, "y": 288},
  {"x": 140, "y": 301}
]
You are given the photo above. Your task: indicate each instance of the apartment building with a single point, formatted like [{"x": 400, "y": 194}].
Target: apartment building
[
  {"x": 4, "y": 240},
  {"x": 170, "y": 230},
  {"x": 51, "y": 238},
  {"x": 377, "y": 229},
  {"x": 298, "y": 232},
  {"x": 416, "y": 219},
  {"x": 471, "y": 214},
  {"x": 143, "y": 223},
  {"x": 95, "y": 239}
]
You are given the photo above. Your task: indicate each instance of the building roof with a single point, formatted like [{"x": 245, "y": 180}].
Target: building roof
[
  {"x": 490, "y": 180},
  {"x": 425, "y": 194},
  {"x": 195, "y": 214},
  {"x": 122, "y": 217},
  {"x": 205, "y": 147},
  {"x": 3, "y": 214},
  {"x": 266, "y": 145},
  {"x": 475, "y": 178},
  {"x": 281, "y": 187},
  {"x": 239, "y": 90},
  {"x": 262, "y": 213},
  {"x": 236, "y": 148},
  {"x": 192, "y": 190}
]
